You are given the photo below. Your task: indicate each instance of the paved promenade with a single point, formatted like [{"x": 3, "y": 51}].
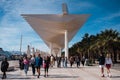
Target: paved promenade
[{"x": 82, "y": 73}]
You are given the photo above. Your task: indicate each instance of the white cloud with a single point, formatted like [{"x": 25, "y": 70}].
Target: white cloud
[
  {"x": 87, "y": 5},
  {"x": 13, "y": 25},
  {"x": 111, "y": 16},
  {"x": 105, "y": 20},
  {"x": 35, "y": 7}
]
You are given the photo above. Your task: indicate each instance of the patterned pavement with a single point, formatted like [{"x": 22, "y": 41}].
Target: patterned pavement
[{"x": 82, "y": 73}]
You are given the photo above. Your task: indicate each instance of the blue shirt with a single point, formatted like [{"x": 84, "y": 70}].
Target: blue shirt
[{"x": 38, "y": 61}]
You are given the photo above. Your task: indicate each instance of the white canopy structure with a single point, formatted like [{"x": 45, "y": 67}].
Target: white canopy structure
[{"x": 56, "y": 30}]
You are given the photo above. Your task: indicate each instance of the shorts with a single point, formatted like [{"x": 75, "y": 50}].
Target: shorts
[
  {"x": 108, "y": 66},
  {"x": 101, "y": 66},
  {"x": 38, "y": 67}
]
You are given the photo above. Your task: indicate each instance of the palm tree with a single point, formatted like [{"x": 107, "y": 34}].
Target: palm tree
[
  {"x": 107, "y": 41},
  {"x": 86, "y": 42}
]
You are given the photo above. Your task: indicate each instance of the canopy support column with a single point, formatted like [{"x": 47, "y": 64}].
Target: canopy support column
[{"x": 66, "y": 43}]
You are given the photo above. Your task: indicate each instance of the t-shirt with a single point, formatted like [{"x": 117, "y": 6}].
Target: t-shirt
[
  {"x": 101, "y": 60},
  {"x": 38, "y": 61},
  {"x": 32, "y": 61},
  {"x": 108, "y": 61},
  {"x": 25, "y": 61}
]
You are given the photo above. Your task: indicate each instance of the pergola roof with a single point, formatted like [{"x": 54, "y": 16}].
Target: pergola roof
[{"x": 51, "y": 27}]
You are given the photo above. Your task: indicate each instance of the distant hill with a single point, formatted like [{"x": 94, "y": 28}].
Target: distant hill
[
  {"x": 15, "y": 52},
  {"x": 5, "y": 53}
]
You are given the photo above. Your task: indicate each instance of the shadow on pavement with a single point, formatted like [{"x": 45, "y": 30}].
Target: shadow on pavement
[
  {"x": 19, "y": 78},
  {"x": 61, "y": 76},
  {"x": 14, "y": 76},
  {"x": 115, "y": 77}
]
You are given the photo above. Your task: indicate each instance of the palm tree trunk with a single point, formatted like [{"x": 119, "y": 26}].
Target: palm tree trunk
[
  {"x": 88, "y": 54},
  {"x": 115, "y": 55}
]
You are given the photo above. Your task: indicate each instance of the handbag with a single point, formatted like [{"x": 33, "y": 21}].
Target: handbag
[{"x": 44, "y": 65}]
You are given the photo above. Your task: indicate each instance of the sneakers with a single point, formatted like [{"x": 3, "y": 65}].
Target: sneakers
[
  {"x": 38, "y": 76},
  {"x": 110, "y": 75},
  {"x": 107, "y": 76},
  {"x": 103, "y": 75},
  {"x": 44, "y": 75},
  {"x": 3, "y": 78}
]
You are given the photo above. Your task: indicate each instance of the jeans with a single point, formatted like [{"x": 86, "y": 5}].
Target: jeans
[
  {"x": 65, "y": 64},
  {"x": 33, "y": 68},
  {"x": 26, "y": 68}
]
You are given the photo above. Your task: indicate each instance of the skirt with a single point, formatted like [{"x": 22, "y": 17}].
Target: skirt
[{"x": 108, "y": 66}]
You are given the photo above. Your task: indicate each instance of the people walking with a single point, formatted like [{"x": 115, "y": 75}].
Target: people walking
[
  {"x": 71, "y": 61},
  {"x": 4, "y": 67},
  {"x": 65, "y": 62},
  {"x": 26, "y": 64},
  {"x": 59, "y": 62},
  {"x": 52, "y": 60},
  {"x": 46, "y": 63},
  {"x": 38, "y": 64},
  {"x": 108, "y": 63},
  {"x": 21, "y": 64},
  {"x": 32, "y": 62},
  {"x": 102, "y": 63},
  {"x": 77, "y": 59},
  {"x": 83, "y": 60}
]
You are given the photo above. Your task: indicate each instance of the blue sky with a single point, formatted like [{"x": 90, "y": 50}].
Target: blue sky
[{"x": 105, "y": 14}]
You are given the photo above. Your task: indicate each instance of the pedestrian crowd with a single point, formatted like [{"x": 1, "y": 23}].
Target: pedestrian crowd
[{"x": 36, "y": 62}]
